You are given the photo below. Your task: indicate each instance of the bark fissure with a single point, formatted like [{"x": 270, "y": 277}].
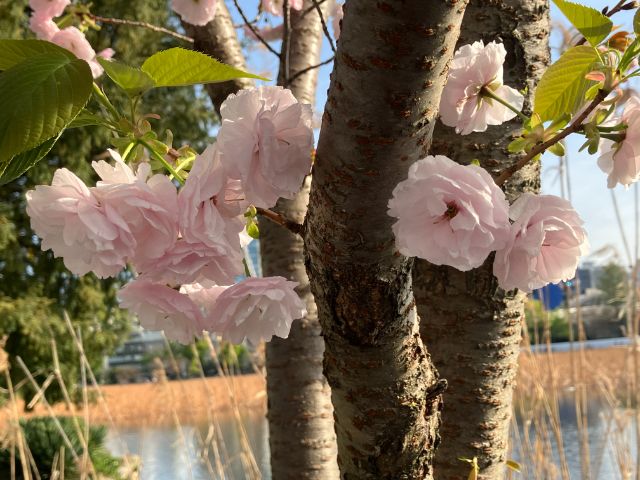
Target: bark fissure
[
  {"x": 471, "y": 327},
  {"x": 388, "y": 74},
  {"x": 301, "y": 434}
]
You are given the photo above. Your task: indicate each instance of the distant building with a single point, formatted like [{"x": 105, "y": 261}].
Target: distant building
[{"x": 128, "y": 363}]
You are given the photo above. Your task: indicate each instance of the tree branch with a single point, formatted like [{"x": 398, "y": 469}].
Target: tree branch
[
  {"x": 278, "y": 219},
  {"x": 286, "y": 43},
  {"x": 575, "y": 126},
  {"x": 136, "y": 23},
  {"x": 316, "y": 5},
  {"x": 309, "y": 68},
  {"x": 254, "y": 30}
]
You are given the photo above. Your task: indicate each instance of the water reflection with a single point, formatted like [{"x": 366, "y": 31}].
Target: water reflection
[
  {"x": 197, "y": 452},
  {"x": 610, "y": 438},
  {"x": 167, "y": 455}
]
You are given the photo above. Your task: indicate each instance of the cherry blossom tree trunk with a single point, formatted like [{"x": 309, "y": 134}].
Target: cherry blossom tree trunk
[
  {"x": 219, "y": 40},
  {"x": 471, "y": 327},
  {"x": 382, "y": 104},
  {"x": 301, "y": 435}
]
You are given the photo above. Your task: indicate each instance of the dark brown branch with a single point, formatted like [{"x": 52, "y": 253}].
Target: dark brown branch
[
  {"x": 309, "y": 68},
  {"x": 254, "y": 30},
  {"x": 575, "y": 126},
  {"x": 136, "y": 23},
  {"x": 278, "y": 219},
  {"x": 312, "y": 8},
  {"x": 316, "y": 5},
  {"x": 286, "y": 43}
]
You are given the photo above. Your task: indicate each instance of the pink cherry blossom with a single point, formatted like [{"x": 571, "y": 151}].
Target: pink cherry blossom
[
  {"x": 210, "y": 203},
  {"x": 266, "y": 141},
  {"x": 195, "y": 12},
  {"x": 473, "y": 68},
  {"x": 449, "y": 214},
  {"x": 204, "y": 297},
  {"x": 148, "y": 208},
  {"x": 74, "y": 224},
  {"x": 43, "y": 26},
  {"x": 256, "y": 308},
  {"x": 74, "y": 40},
  {"x": 275, "y": 7},
  {"x": 545, "y": 244},
  {"x": 107, "y": 53},
  {"x": 336, "y": 17},
  {"x": 195, "y": 263},
  {"x": 159, "y": 307},
  {"x": 621, "y": 160},
  {"x": 48, "y": 8}
]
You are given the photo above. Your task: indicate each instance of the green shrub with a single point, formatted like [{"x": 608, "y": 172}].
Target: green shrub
[{"x": 45, "y": 442}]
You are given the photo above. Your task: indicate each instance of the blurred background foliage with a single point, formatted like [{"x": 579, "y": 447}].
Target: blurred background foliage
[{"x": 35, "y": 288}]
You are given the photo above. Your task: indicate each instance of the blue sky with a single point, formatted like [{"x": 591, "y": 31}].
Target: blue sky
[{"x": 589, "y": 192}]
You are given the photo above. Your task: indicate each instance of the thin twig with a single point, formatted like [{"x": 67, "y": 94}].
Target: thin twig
[
  {"x": 278, "y": 219},
  {"x": 309, "y": 68},
  {"x": 618, "y": 7},
  {"x": 324, "y": 26},
  {"x": 286, "y": 42},
  {"x": 253, "y": 29},
  {"x": 136, "y": 23},
  {"x": 312, "y": 8},
  {"x": 575, "y": 125}
]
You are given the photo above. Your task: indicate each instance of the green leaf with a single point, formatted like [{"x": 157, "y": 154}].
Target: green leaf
[
  {"x": 179, "y": 67},
  {"x": 13, "y": 52},
  {"x": 132, "y": 80},
  {"x": 39, "y": 97},
  {"x": 636, "y": 22},
  {"x": 87, "y": 119},
  {"x": 513, "y": 465},
  {"x": 557, "y": 149},
  {"x": 592, "y": 24},
  {"x": 24, "y": 161},
  {"x": 562, "y": 87},
  {"x": 252, "y": 230}
]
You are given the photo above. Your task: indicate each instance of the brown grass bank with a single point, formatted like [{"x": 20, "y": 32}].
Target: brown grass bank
[{"x": 192, "y": 401}]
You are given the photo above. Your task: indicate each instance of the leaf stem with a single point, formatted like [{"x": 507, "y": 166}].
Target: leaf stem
[
  {"x": 104, "y": 101},
  {"x": 486, "y": 92},
  {"x": 162, "y": 160}
]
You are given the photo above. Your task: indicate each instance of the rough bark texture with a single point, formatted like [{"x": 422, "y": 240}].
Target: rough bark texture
[
  {"x": 471, "y": 327},
  {"x": 301, "y": 435},
  {"x": 218, "y": 39},
  {"x": 382, "y": 103}
]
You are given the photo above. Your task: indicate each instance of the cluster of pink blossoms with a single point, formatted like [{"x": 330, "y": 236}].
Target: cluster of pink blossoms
[
  {"x": 45, "y": 28},
  {"x": 451, "y": 214},
  {"x": 186, "y": 244}
]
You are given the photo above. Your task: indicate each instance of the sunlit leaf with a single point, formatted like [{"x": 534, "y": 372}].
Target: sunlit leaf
[{"x": 178, "y": 67}]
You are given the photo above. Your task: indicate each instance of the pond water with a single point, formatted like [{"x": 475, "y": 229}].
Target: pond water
[{"x": 166, "y": 454}]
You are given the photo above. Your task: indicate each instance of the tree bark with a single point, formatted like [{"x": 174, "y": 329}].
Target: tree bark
[
  {"x": 301, "y": 435},
  {"x": 382, "y": 104},
  {"x": 471, "y": 327},
  {"x": 219, "y": 40}
]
